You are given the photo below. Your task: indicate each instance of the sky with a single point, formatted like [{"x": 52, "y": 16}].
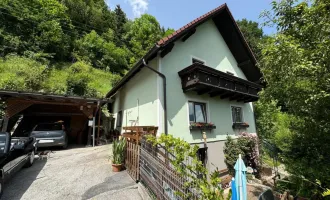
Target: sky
[{"x": 177, "y": 13}]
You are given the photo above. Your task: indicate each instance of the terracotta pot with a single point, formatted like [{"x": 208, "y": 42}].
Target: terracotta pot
[{"x": 116, "y": 167}]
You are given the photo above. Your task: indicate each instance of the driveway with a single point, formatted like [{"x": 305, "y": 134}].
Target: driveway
[{"x": 79, "y": 173}]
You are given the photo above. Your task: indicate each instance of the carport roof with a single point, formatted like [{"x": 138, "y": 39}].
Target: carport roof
[{"x": 37, "y": 96}]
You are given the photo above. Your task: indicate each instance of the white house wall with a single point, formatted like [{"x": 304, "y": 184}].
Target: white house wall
[{"x": 138, "y": 100}]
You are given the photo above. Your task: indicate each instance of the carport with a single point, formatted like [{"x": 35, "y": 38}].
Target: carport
[{"x": 25, "y": 109}]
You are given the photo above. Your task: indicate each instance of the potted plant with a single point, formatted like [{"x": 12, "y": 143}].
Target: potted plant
[
  {"x": 118, "y": 154},
  {"x": 239, "y": 125},
  {"x": 202, "y": 126}
]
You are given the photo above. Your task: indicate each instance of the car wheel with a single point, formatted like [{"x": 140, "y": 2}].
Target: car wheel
[
  {"x": 1, "y": 186},
  {"x": 30, "y": 161},
  {"x": 65, "y": 145}
]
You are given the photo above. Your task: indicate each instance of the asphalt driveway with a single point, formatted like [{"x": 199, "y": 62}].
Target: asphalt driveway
[{"x": 79, "y": 173}]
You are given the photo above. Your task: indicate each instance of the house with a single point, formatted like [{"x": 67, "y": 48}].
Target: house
[{"x": 211, "y": 77}]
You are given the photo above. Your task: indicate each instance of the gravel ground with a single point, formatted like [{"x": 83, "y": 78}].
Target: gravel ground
[{"x": 78, "y": 173}]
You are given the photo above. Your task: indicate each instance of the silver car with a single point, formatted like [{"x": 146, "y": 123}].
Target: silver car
[{"x": 50, "y": 134}]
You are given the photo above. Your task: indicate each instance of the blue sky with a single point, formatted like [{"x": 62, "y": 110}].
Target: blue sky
[{"x": 177, "y": 13}]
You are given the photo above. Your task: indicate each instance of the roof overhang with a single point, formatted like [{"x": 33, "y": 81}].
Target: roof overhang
[{"x": 42, "y": 97}]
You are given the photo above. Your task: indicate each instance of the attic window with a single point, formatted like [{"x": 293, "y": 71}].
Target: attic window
[{"x": 194, "y": 60}]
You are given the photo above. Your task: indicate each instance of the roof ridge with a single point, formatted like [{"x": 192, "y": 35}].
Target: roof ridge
[{"x": 192, "y": 23}]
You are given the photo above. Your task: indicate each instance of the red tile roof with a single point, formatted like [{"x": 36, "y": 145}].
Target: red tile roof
[{"x": 190, "y": 25}]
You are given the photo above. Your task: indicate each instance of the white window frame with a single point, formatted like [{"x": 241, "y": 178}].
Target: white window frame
[
  {"x": 195, "y": 57},
  {"x": 231, "y": 114},
  {"x": 208, "y": 117}
]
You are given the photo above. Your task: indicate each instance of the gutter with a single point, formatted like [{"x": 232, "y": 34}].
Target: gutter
[
  {"x": 134, "y": 70},
  {"x": 164, "y": 92}
]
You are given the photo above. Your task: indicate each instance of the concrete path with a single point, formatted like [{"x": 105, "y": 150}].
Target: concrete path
[{"x": 79, "y": 173}]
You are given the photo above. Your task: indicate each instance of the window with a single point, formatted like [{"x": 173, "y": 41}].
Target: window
[
  {"x": 237, "y": 114},
  {"x": 119, "y": 118},
  {"x": 48, "y": 127},
  {"x": 197, "y": 112},
  {"x": 194, "y": 60}
]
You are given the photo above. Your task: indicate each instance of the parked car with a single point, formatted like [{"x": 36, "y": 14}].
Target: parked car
[
  {"x": 15, "y": 153},
  {"x": 50, "y": 134}
]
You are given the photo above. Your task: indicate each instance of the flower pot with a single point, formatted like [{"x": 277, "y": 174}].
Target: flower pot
[
  {"x": 202, "y": 127},
  {"x": 116, "y": 167}
]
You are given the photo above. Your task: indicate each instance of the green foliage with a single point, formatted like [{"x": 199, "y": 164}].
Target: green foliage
[
  {"x": 118, "y": 151},
  {"x": 23, "y": 74},
  {"x": 245, "y": 145},
  {"x": 168, "y": 32},
  {"x": 37, "y": 26},
  {"x": 52, "y": 34},
  {"x": 143, "y": 34},
  {"x": 209, "y": 188},
  {"x": 120, "y": 21},
  {"x": 295, "y": 63},
  {"x": 253, "y": 35},
  {"x": 80, "y": 78},
  {"x": 101, "y": 53}
]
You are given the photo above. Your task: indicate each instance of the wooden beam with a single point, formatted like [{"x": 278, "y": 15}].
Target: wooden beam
[
  {"x": 5, "y": 124},
  {"x": 235, "y": 97},
  {"x": 190, "y": 33},
  {"x": 217, "y": 92},
  {"x": 229, "y": 94},
  {"x": 244, "y": 63},
  {"x": 203, "y": 91},
  {"x": 167, "y": 50},
  {"x": 252, "y": 99}
]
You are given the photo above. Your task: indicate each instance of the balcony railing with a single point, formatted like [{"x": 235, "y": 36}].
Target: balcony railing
[{"x": 203, "y": 79}]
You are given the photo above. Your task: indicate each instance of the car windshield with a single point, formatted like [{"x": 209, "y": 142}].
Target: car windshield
[
  {"x": 48, "y": 127},
  {"x": 2, "y": 142}
]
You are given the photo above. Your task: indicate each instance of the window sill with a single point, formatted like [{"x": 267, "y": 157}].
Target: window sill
[
  {"x": 202, "y": 127},
  {"x": 240, "y": 125}
]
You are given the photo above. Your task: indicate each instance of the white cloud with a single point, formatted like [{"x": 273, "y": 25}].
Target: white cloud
[{"x": 139, "y": 7}]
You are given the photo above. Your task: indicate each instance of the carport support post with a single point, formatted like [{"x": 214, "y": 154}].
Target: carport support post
[
  {"x": 5, "y": 124},
  {"x": 93, "y": 131}
]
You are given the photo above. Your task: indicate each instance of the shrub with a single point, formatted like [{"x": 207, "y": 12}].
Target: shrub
[
  {"x": 246, "y": 145},
  {"x": 206, "y": 184}
]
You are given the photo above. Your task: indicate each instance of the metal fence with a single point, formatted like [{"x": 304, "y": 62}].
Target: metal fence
[{"x": 159, "y": 176}]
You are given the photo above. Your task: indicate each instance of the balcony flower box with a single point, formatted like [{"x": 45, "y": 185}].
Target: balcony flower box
[
  {"x": 202, "y": 126},
  {"x": 240, "y": 125}
]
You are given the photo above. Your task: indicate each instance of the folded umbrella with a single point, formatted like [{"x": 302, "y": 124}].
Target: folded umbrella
[
  {"x": 240, "y": 179},
  {"x": 233, "y": 190}
]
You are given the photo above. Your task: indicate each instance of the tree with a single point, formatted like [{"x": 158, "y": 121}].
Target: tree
[
  {"x": 88, "y": 15},
  {"x": 101, "y": 53},
  {"x": 120, "y": 21},
  {"x": 35, "y": 26},
  {"x": 253, "y": 35},
  {"x": 143, "y": 34},
  {"x": 167, "y": 32},
  {"x": 295, "y": 63}
]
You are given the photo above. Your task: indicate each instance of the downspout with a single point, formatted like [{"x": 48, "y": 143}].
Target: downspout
[{"x": 164, "y": 92}]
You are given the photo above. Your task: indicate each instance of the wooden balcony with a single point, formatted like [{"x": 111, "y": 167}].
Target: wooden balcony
[{"x": 203, "y": 79}]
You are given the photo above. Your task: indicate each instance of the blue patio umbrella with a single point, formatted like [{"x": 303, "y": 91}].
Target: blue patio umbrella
[
  {"x": 233, "y": 190},
  {"x": 240, "y": 179}
]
